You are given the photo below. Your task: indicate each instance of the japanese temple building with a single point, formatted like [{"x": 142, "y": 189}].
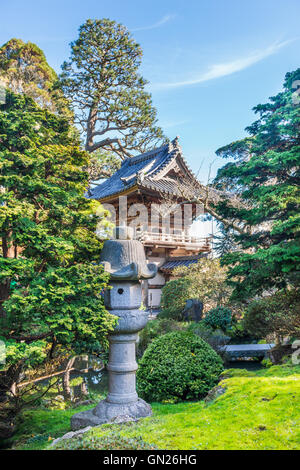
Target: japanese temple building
[{"x": 152, "y": 183}]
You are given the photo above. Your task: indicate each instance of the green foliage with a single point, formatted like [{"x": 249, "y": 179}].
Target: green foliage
[
  {"x": 40, "y": 422},
  {"x": 107, "y": 92},
  {"x": 239, "y": 335},
  {"x": 102, "y": 165},
  {"x": 50, "y": 281},
  {"x": 111, "y": 441},
  {"x": 277, "y": 314},
  {"x": 162, "y": 326},
  {"x": 38, "y": 439},
  {"x": 266, "y": 363},
  {"x": 62, "y": 302},
  {"x": 228, "y": 373},
  {"x": 265, "y": 177},
  {"x": 224, "y": 241},
  {"x": 205, "y": 280},
  {"x": 155, "y": 328},
  {"x": 24, "y": 69},
  {"x": 214, "y": 337},
  {"x": 252, "y": 401},
  {"x": 219, "y": 317},
  {"x": 174, "y": 295},
  {"x": 178, "y": 366},
  {"x": 30, "y": 355}
]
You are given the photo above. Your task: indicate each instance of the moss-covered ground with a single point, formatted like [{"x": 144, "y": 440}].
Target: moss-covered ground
[{"x": 259, "y": 410}]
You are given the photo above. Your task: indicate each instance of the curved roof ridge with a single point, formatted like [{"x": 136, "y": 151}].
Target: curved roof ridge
[
  {"x": 148, "y": 169},
  {"x": 145, "y": 156},
  {"x": 158, "y": 171}
]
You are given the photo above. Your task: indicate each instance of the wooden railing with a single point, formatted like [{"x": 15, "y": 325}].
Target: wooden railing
[{"x": 172, "y": 238}]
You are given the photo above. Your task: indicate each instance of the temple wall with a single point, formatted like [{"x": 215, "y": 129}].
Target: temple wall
[
  {"x": 156, "y": 284},
  {"x": 154, "y": 298}
]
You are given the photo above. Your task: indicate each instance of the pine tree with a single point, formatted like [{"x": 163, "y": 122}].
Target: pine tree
[
  {"x": 265, "y": 176},
  {"x": 102, "y": 81}
]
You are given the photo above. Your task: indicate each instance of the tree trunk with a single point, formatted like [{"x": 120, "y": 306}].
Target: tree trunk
[
  {"x": 66, "y": 379},
  {"x": 8, "y": 248},
  {"x": 91, "y": 125},
  {"x": 4, "y": 294},
  {"x": 8, "y": 251}
]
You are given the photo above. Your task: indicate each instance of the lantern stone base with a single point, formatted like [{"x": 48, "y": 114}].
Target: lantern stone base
[{"x": 106, "y": 412}]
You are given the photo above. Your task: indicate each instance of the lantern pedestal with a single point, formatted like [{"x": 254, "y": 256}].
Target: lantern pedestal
[
  {"x": 125, "y": 261},
  {"x": 122, "y": 402},
  {"x": 108, "y": 412}
]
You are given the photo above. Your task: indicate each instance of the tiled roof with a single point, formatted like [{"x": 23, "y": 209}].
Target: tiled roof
[
  {"x": 177, "y": 261},
  {"x": 148, "y": 170}
]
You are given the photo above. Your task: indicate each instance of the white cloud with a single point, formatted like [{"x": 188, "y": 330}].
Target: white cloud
[
  {"x": 227, "y": 68},
  {"x": 162, "y": 21},
  {"x": 169, "y": 124}
]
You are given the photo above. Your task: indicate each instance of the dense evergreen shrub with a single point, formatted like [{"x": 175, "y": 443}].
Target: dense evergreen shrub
[
  {"x": 219, "y": 317},
  {"x": 204, "y": 280},
  {"x": 214, "y": 337},
  {"x": 174, "y": 295},
  {"x": 277, "y": 314},
  {"x": 155, "y": 328},
  {"x": 239, "y": 335},
  {"x": 178, "y": 366}
]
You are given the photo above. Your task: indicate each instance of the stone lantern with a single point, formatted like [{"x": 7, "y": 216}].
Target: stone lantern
[{"x": 124, "y": 258}]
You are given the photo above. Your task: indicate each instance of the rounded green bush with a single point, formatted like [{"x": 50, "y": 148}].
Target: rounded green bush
[
  {"x": 178, "y": 366},
  {"x": 219, "y": 317},
  {"x": 155, "y": 328}
]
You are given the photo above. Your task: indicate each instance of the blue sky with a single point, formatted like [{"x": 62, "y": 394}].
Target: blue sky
[{"x": 208, "y": 61}]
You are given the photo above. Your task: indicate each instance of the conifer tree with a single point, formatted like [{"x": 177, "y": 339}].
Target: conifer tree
[
  {"x": 102, "y": 81},
  {"x": 50, "y": 278},
  {"x": 265, "y": 175},
  {"x": 25, "y": 70}
]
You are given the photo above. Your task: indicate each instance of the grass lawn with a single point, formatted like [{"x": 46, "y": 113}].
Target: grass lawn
[{"x": 260, "y": 410}]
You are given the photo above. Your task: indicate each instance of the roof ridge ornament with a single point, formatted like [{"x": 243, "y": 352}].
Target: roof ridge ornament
[
  {"x": 176, "y": 144},
  {"x": 140, "y": 176},
  {"x": 170, "y": 146}
]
